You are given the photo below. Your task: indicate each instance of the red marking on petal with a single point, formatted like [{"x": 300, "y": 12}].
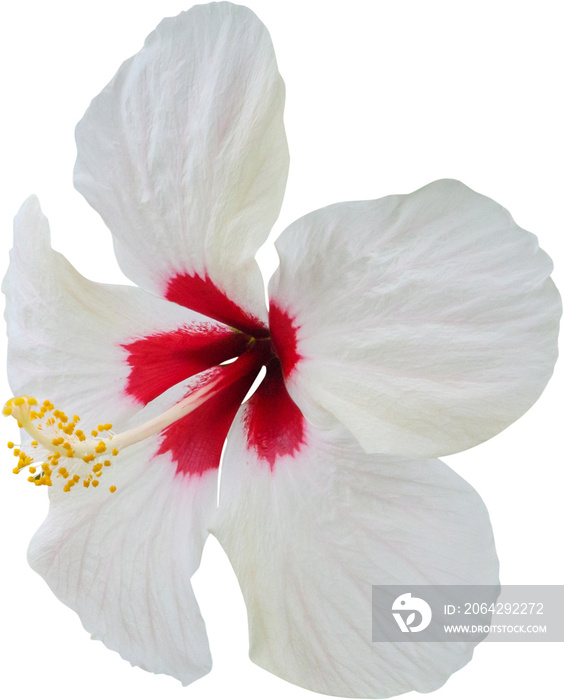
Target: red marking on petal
[
  {"x": 202, "y": 295},
  {"x": 283, "y": 329},
  {"x": 274, "y": 425},
  {"x": 162, "y": 360},
  {"x": 196, "y": 441}
]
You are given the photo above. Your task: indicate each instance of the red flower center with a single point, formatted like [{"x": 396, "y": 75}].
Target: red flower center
[{"x": 274, "y": 426}]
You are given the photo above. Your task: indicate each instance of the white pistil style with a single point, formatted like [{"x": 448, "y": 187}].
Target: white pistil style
[
  {"x": 59, "y": 449},
  {"x": 162, "y": 421}
]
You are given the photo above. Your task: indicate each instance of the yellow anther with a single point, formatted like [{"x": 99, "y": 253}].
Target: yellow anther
[
  {"x": 112, "y": 489},
  {"x": 101, "y": 447},
  {"x": 16, "y": 452},
  {"x": 16, "y": 470},
  {"x": 30, "y": 478},
  {"x": 66, "y": 487},
  {"x": 7, "y": 411},
  {"x": 107, "y": 463},
  {"x": 88, "y": 458},
  {"x": 76, "y": 478},
  {"x": 34, "y": 443},
  {"x": 31, "y": 401},
  {"x": 86, "y": 483},
  {"x": 57, "y": 441},
  {"x": 115, "y": 452},
  {"x": 10, "y": 445},
  {"x": 95, "y": 483},
  {"x": 19, "y": 401},
  {"x": 107, "y": 426},
  {"x": 94, "y": 433},
  {"x": 75, "y": 419},
  {"x": 32, "y": 470}
]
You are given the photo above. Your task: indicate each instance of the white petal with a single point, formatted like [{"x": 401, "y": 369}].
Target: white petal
[
  {"x": 123, "y": 561},
  {"x": 66, "y": 333},
  {"x": 426, "y": 323},
  {"x": 310, "y": 535},
  {"x": 184, "y": 154}
]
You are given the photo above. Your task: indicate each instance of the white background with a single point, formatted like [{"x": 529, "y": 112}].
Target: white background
[{"x": 382, "y": 97}]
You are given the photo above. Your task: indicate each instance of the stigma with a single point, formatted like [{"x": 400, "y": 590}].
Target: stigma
[{"x": 59, "y": 448}]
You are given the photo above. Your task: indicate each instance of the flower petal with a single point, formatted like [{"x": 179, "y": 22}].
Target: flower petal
[
  {"x": 309, "y": 536},
  {"x": 123, "y": 561},
  {"x": 184, "y": 156},
  {"x": 96, "y": 349},
  {"x": 425, "y": 323}
]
